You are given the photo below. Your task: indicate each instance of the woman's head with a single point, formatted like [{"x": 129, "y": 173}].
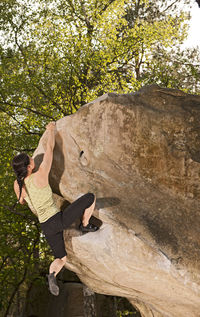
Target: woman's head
[{"x": 22, "y": 165}]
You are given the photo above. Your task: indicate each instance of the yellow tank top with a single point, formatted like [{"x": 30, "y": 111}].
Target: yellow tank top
[{"x": 40, "y": 200}]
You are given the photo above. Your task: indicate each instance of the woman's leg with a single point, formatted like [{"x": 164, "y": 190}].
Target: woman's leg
[
  {"x": 57, "y": 245},
  {"x": 54, "y": 269},
  {"x": 88, "y": 213},
  {"x": 56, "y": 242},
  {"x": 82, "y": 208},
  {"x": 52, "y": 229},
  {"x": 57, "y": 265}
]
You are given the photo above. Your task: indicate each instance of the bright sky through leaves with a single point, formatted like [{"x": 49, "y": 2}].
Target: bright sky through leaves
[{"x": 193, "y": 33}]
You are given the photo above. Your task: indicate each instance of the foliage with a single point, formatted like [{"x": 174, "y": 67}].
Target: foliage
[
  {"x": 125, "y": 309},
  {"x": 55, "y": 56},
  {"x": 175, "y": 69}
]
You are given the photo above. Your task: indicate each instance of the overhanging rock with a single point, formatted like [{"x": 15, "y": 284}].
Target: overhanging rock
[{"x": 140, "y": 154}]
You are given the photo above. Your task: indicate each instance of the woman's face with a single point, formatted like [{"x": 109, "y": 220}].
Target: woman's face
[{"x": 32, "y": 163}]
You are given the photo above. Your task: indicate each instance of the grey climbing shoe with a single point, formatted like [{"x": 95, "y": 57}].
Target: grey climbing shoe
[{"x": 53, "y": 286}]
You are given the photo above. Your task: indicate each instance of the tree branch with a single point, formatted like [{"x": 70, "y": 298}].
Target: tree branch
[
  {"x": 27, "y": 108},
  {"x": 17, "y": 287},
  {"x": 21, "y": 124},
  {"x": 106, "y": 6},
  {"x": 169, "y": 6},
  {"x": 12, "y": 210},
  {"x": 30, "y": 76}
]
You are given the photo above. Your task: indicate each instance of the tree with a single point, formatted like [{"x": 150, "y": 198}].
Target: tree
[
  {"x": 175, "y": 69},
  {"x": 55, "y": 56}
]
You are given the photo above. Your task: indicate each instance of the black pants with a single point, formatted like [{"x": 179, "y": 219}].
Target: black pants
[{"x": 54, "y": 226}]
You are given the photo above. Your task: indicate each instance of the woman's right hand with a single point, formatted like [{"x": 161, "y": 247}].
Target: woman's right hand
[{"x": 51, "y": 126}]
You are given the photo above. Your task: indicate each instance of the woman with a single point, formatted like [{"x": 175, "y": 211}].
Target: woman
[{"x": 33, "y": 188}]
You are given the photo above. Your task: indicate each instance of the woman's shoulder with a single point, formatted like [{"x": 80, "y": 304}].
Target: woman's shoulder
[
  {"x": 39, "y": 180},
  {"x": 28, "y": 178}
]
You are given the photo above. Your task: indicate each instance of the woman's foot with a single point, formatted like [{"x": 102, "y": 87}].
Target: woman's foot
[
  {"x": 89, "y": 228},
  {"x": 53, "y": 286}
]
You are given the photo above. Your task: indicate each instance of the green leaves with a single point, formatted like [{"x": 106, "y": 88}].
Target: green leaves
[{"x": 57, "y": 55}]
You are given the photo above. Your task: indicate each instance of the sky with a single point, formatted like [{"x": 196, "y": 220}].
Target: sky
[{"x": 194, "y": 31}]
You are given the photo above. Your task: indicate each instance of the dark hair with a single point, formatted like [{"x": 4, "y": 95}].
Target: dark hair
[{"x": 20, "y": 164}]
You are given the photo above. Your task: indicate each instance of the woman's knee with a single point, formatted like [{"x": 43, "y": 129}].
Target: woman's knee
[
  {"x": 64, "y": 258},
  {"x": 90, "y": 198}
]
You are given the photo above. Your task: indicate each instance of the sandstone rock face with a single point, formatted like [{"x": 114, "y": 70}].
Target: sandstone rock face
[{"x": 140, "y": 154}]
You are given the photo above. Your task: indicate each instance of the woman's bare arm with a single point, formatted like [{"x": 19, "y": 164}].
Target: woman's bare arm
[
  {"x": 16, "y": 189},
  {"x": 45, "y": 167}
]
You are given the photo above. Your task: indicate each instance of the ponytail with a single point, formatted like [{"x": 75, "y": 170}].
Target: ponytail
[
  {"x": 20, "y": 164},
  {"x": 20, "y": 182}
]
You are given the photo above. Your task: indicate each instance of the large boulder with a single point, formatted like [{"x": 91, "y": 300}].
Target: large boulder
[{"x": 140, "y": 154}]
